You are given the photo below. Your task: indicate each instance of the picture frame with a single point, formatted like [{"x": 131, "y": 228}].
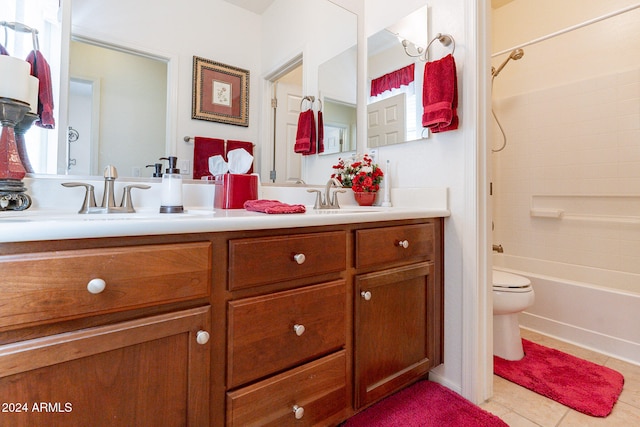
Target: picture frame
[{"x": 220, "y": 92}]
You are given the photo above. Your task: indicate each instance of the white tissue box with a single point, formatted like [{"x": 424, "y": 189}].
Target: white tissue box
[{"x": 233, "y": 189}]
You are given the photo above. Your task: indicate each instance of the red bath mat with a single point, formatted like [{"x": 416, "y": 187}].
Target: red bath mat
[
  {"x": 424, "y": 404},
  {"x": 579, "y": 384}
]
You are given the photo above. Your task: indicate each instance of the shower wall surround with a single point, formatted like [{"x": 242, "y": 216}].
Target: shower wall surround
[{"x": 579, "y": 139}]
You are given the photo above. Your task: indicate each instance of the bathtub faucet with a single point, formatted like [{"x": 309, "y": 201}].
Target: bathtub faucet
[{"x": 498, "y": 248}]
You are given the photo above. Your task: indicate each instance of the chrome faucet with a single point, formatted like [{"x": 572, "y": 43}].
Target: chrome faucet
[
  {"x": 330, "y": 199},
  {"x": 108, "y": 196},
  {"x": 108, "y": 204}
]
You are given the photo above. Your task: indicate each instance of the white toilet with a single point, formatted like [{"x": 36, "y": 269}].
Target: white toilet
[{"x": 511, "y": 295}]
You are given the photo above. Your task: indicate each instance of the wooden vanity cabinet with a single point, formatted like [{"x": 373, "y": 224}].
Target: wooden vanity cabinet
[
  {"x": 286, "y": 342},
  {"x": 283, "y": 327},
  {"x": 398, "y": 308},
  {"x": 133, "y": 353}
]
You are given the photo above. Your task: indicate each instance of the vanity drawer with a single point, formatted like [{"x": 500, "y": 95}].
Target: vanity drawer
[
  {"x": 261, "y": 261},
  {"x": 319, "y": 388},
  {"x": 54, "y": 285},
  {"x": 389, "y": 245},
  {"x": 270, "y": 333}
]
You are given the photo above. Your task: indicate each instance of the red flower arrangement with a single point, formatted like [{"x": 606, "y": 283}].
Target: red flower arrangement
[{"x": 359, "y": 173}]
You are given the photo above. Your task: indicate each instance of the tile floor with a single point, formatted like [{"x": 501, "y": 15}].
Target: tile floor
[{"x": 520, "y": 407}]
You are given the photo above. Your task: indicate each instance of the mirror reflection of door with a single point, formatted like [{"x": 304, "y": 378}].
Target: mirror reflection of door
[
  {"x": 84, "y": 123},
  {"x": 287, "y": 90}
]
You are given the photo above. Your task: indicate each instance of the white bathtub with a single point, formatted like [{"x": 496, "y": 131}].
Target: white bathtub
[{"x": 603, "y": 319}]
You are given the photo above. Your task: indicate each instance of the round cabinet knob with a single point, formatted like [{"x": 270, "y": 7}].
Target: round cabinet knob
[
  {"x": 299, "y": 329},
  {"x": 95, "y": 286},
  {"x": 366, "y": 295},
  {"x": 403, "y": 243},
  {"x": 202, "y": 337},
  {"x": 298, "y": 412},
  {"x": 299, "y": 258}
]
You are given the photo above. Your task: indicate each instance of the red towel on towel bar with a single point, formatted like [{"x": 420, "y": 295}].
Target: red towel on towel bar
[
  {"x": 306, "y": 133},
  {"x": 440, "y": 95},
  {"x": 273, "y": 207},
  {"x": 320, "y": 133},
  {"x": 40, "y": 69},
  {"x": 232, "y": 145},
  {"x": 203, "y": 148}
]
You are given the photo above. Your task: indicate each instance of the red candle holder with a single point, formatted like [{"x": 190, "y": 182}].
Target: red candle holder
[{"x": 12, "y": 171}]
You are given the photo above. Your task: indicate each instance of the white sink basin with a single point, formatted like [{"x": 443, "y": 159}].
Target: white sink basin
[
  {"x": 342, "y": 211},
  {"x": 44, "y": 215}
]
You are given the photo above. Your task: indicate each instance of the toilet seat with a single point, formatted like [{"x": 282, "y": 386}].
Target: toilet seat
[{"x": 507, "y": 282}]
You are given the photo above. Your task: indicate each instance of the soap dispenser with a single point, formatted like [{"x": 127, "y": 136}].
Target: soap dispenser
[
  {"x": 157, "y": 169},
  {"x": 171, "y": 188}
]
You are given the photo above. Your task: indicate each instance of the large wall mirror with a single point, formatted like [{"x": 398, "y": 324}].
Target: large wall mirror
[
  {"x": 395, "y": 115},
  {"x": 337, "y": 84},
  {"x": 160, "y": 42},
  {"x": 326, "y": 52},
  {"x": 117, "y": 104}
]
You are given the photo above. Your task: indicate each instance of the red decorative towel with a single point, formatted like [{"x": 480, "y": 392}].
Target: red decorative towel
[
  {"x": 232, "y": 145},
  {"x": 440, "y": 95},
  {"x": 40, "y": 69},
  {"x": 320, "y": 133},
  {"x": 273, "y": 207},
  {"x": 203, "y": 148},
  {"x": 306, "y": 134}
]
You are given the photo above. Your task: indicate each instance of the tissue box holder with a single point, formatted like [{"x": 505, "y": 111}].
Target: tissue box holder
[{"x": 232, "y": 190}]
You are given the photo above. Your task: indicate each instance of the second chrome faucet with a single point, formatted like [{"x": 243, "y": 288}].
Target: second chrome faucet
[{"x": 330, "y": 199}]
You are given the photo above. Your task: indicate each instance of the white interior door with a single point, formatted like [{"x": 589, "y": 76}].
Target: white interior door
[
  {"x": 288, "y": 164},
  {"x": 386, "y": 121}
]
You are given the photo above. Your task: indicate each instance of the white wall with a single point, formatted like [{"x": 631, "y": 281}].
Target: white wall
[{"x": 571, "y": 111}]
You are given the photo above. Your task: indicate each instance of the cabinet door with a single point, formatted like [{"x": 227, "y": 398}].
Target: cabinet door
[
  {"x": 394, "y": 331},
  {"x": 145, "y": 372}
]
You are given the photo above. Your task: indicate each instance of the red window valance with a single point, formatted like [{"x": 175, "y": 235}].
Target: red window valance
[{"x": 392, "y": 80}]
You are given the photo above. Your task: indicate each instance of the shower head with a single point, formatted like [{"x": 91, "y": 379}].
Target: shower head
[{"x": 515, "y": 55}]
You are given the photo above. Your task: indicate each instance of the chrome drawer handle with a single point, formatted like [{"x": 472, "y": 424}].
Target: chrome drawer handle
[
  {"x": 366, "y": 295},
  {"x": 299, "y": 329},
  {"x": 202, "y": 337},
  {"x": 403, "y": 243},
  {"x": 299, "y": 258},
  {"x": 298, "y": 412},
  {"x": 95, "y": 286}
]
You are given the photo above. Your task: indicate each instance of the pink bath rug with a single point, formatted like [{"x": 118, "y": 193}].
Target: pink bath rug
[
  {"x": 579, "y": 384},
  {"x": 424, "y": 404}
]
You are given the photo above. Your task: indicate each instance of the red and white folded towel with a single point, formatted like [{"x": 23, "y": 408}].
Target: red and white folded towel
[
  {"x": 273, "y": 207},
  {"x": 440, "y": 95}
]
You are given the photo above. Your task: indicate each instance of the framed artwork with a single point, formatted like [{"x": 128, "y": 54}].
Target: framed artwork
[{"x": 220, "y": 93}]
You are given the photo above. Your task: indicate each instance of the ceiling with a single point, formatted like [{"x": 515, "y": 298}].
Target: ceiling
[
  {"x": 259, "y": 6},
  {"x": 256, "y": 6},
  {"x": 499, "y": 3}
]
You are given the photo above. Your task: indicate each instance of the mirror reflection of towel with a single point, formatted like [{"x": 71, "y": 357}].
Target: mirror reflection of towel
[
  {"x": 203, "y": 148},
  {"x": 440, "y": 95}
]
